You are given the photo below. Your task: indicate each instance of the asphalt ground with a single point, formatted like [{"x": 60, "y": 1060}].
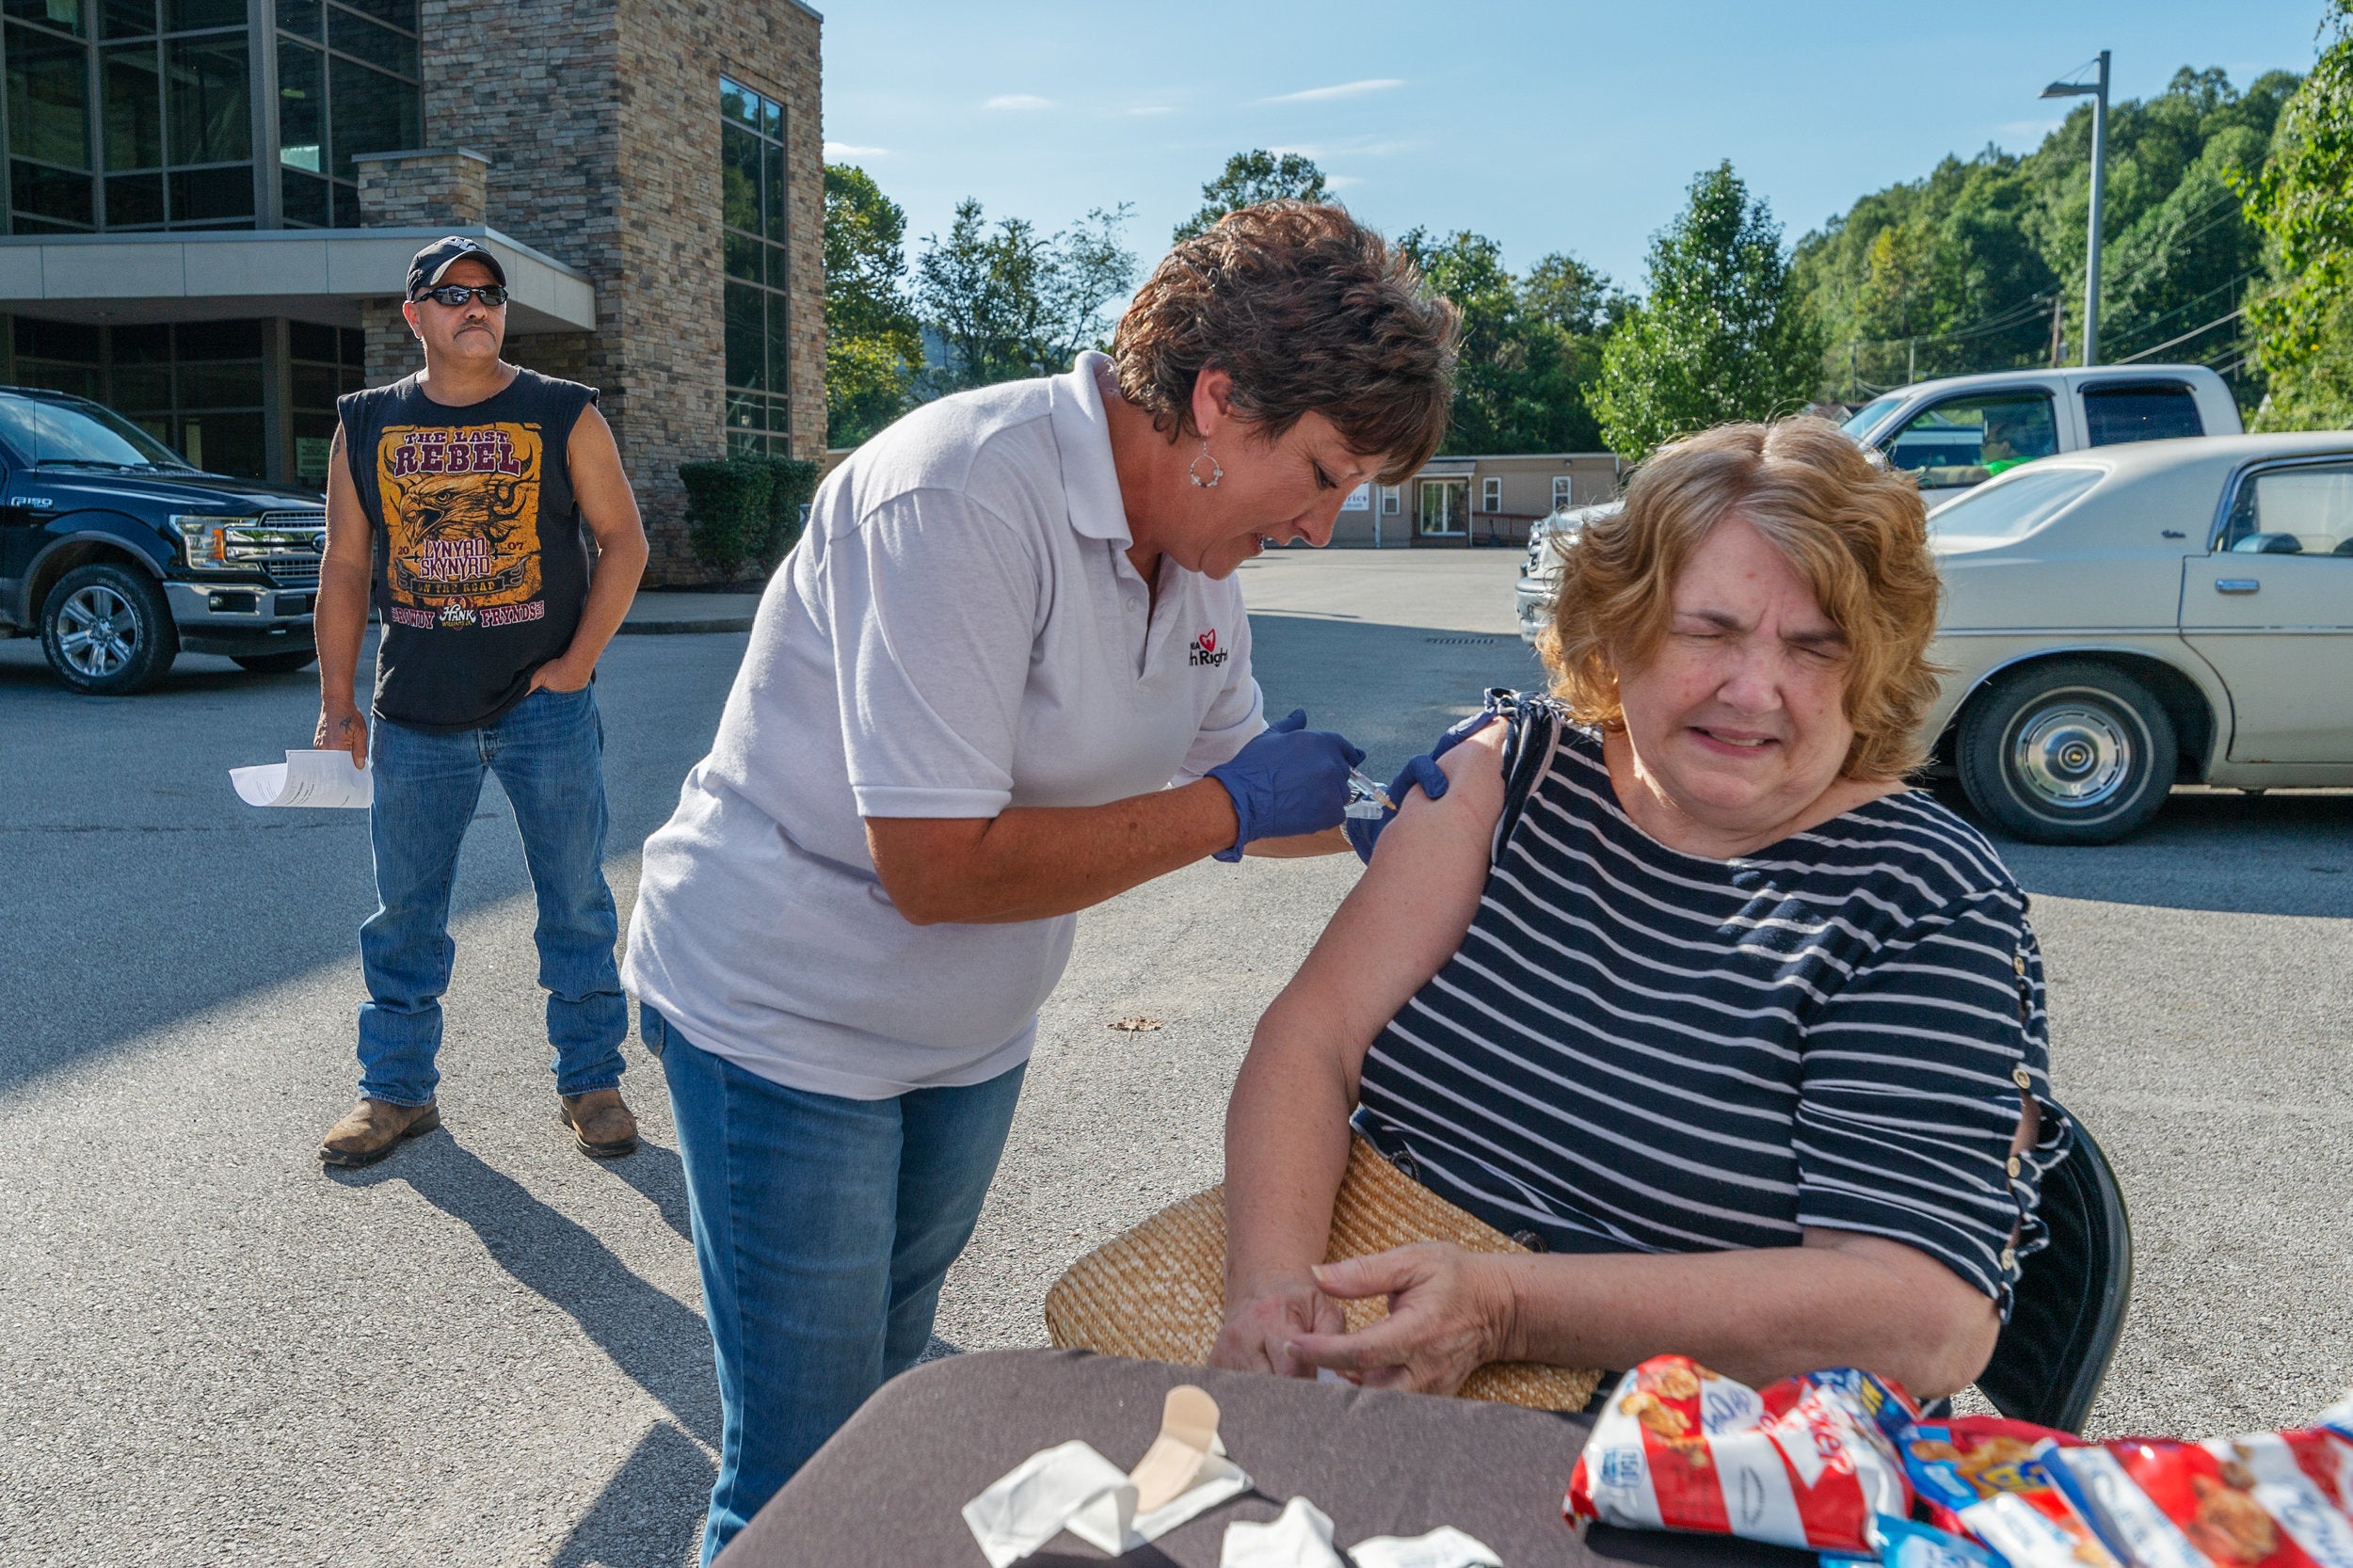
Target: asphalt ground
[{"x": 488, "y": 1349}]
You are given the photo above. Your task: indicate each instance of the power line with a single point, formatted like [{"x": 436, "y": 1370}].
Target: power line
[{"x": 2169, "y": 343}]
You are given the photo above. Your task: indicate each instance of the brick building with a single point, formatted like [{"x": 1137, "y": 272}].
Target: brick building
[
  {"x": 1474, "y": 499},
  {"x": 211, "y": 205}
]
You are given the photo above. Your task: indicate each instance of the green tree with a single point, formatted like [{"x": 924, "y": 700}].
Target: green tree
[
  {"x": 1530, "y": 347},
  {"x": 1251, "y": 178},
  {"x": 2301, "y": 323},
  {"x": 873, "y": 346},
  {"x": 1008, "y": 301},
  {"x": 1720, "y": 333}
]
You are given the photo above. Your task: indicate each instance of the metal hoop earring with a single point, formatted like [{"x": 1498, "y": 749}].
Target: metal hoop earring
[{"x": 1217, "y": 470}]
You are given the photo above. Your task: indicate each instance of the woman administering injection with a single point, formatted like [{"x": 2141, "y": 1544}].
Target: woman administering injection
[{"x": 1005, "y": 677}]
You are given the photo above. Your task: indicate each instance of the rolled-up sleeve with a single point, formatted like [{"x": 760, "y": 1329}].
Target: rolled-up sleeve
[
  {"x": 1234, "y": 718},
  {"x": 1911, "y": 1093},
  {"x": 934, "y": 602}
]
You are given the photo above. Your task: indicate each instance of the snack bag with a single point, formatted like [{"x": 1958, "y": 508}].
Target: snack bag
[
  {"x": 1807, "y": 1462},
  {"x": 1990, "y": 1476},
  {"x": 2325, "y": 1457},
  {"x": 2242, "y": 1502}
]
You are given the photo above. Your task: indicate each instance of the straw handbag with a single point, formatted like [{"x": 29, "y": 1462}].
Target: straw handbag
[{"x": 1157, "y": 1292}]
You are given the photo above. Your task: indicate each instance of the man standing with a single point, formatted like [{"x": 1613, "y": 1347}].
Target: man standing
[{"x": 456, "y": 497}]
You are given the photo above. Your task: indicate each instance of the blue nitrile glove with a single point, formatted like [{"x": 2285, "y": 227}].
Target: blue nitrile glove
[
  {"x": 1364, "y": 832},
  {"x": 1289, "y": 780}
]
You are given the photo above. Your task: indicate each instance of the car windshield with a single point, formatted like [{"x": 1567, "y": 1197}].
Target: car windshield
[
  {"x": 79, "y": 435},
  {"x": 2013, "y": 507},
  {"x": 1859, "y": 424}
]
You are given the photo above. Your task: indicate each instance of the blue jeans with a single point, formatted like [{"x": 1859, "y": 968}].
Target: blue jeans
[
  {"x": 548, "y": 751},
  {"x": 823, "y": 1228}
]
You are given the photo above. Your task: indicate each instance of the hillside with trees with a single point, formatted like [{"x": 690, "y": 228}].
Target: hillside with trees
[{"x": 1979, "y": 265}]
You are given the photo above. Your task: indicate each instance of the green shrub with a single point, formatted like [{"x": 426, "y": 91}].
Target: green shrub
[
  {"x": 729, "y": 515},
  {"x": 795, "y": 484}
]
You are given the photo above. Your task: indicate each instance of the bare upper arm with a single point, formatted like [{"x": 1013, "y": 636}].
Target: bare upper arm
[
  {"x": 1404, "y": 918},
  {"x": 601, "y": 485},
  {"x": 347, "y": 543}
]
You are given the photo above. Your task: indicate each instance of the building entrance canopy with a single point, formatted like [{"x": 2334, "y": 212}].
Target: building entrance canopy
[{"x": 319, "y": 275}]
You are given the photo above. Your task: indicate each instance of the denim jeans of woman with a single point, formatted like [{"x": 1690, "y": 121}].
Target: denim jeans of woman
[
  {"x": 823, "y": 1229},
  {"x": 547, "y": 752}
]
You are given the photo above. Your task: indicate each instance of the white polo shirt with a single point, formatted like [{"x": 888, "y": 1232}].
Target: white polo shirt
[{"x": 960, "y": 630}]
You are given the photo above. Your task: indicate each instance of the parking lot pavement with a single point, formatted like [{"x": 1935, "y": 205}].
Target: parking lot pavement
[{"x": 488, "y": 1349}]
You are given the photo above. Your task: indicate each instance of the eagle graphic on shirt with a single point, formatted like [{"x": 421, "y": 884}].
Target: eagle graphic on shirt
[{"x": 461, "y": 523}]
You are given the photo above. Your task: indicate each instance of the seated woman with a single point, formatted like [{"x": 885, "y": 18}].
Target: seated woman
[{"x": 1742, "y": 1037}]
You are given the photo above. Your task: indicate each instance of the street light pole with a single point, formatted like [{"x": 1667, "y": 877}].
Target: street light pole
[{"x": 2097, "y": 92}]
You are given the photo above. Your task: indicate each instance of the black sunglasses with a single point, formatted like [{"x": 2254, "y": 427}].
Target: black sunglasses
[{"x": 455, "y": 295}]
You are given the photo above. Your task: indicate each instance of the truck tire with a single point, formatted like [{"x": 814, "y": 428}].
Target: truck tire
[
  {"x": 276, "y": 663},
  {"x": 107, "y": 631},
  {"x": 2070, "y": 752}
]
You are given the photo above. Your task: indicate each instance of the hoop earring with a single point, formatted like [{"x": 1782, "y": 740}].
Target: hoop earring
[{"x": 1217, "y": 470}]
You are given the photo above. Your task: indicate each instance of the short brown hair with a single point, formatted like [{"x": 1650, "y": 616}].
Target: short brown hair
[
  {"x": 1856, "y": 533},
  {"x": 1309, "y": 311}
]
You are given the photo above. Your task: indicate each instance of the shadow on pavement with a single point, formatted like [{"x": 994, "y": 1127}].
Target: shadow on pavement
[
  {"x": 651, "y": 1511},
  {"x": 660, "y": 1176},
  {"x": 2220, "y": 852},
  {"x": 662, "y": 1346}
]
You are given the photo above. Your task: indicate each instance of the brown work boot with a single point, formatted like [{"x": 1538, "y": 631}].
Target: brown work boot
[
  {"x": 603, "y": 1127},
  {"x": 371, "y": 1129}
]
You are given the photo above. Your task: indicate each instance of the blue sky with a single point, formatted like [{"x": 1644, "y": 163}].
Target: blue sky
[{"x": 1568, "y": 126}]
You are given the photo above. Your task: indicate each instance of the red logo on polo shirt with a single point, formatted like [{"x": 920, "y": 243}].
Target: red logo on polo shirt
[{"x": 1205, "y": 649}]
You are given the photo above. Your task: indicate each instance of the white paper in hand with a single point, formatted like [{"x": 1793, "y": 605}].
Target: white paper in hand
[
  {"x": 306, "y": 779},
  {"x": 1300, "y": 1537}
]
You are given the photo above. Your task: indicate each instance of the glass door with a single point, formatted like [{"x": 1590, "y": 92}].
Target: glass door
[{"x": 1445, "y": 508}]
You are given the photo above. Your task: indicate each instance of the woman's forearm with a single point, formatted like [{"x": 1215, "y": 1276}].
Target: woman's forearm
[
  {"x": 1287, "y": 1143},
  {"x": 1846, "y": 1300}
]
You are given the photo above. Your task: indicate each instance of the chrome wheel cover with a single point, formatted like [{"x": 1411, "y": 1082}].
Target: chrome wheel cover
[
  {"x": 2072, "y": 755},
  {"x": 98, "y": 631}
]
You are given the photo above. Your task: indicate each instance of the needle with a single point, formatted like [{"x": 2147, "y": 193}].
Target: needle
[{"x": 1371, "y": 790}]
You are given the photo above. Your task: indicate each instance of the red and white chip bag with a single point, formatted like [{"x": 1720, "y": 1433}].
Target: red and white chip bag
[
  {"x": 1991, "y": 1479},
  {"x": 1808, "y": 1461},
  {"x": 2231, "y": 1502}
]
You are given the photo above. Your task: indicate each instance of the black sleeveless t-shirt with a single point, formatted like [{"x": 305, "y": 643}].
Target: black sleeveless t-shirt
[{"x": 481, "y": 563}]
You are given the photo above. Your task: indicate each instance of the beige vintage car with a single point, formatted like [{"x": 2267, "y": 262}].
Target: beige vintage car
[{"x": 2123, "y": 619}]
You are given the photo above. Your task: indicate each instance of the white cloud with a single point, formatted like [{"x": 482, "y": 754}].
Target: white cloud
[
  {"x": 850, "y": 149},
  {"x": 1343, "y": 90},
  {"x": 1018, "y": 101},
  {"x": 1346, "y": 147},
  {"x": 1341, "y": 181}
]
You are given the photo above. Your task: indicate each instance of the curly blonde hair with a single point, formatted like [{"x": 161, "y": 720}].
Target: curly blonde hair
[{"x": 1856, "y": 533}]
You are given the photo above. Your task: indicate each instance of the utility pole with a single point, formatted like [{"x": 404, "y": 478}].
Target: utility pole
[
  {"x": 2058, "y": 329},
  {"x": 2097, "y": 92}
]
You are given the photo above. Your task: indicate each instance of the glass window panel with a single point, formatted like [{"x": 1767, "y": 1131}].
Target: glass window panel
[
  {"x": 221, "y": 340},
  {"x": 373, "y": 113},
  {"x": 205, "y": 89},
  {"x": 301, "y": 106},
  {"x": 400, "y": 13},
  {"x": 355, "y": 346},
  {"x": 739, "y": 176},
  {"x": 57, "y": 340},
  {"x": 314, "y": 443},
  {"x": 81, "y": 380},
  {"x": 307, "y": 340},
  {"x": 780, "y": 266},
  {"x": 181, "y": 15},
  {"x": 127, "y": 18},
  {"x": 772, "y": 192},
  {"x": 48, "y": 100},
  {"x": 66, "y": 199},
  {"x": 229, "y": 443},
  {"x": 298, "y": 16},
  {"x": 743, "y": 255},
  {"x": 2162, "y": 411},
  {"x": 133, "y": 199},
  {"x": 738, "y": 105},
  {"x": 133, "y": 85},
  {"x": 316, "y": 386},
  {"x": 142, "y": 388},
  {"x": 143, "y": 346},
  {"x": 771, "y": 118},
  {"x": 779, "y": 361},
  {"x": 303, "y": 199},
  {"x": 1967, "y": 441},
  {"x": 232, "y": 386},
  {"x": 208, "y": 195},
  {"x": 744, "y": 332},
  {"x": 379, "y": 46},
  {"x": 64, "y": 14}
]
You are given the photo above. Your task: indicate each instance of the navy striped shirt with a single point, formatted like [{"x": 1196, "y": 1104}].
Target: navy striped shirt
[{"x": 1636, "y": 1049}]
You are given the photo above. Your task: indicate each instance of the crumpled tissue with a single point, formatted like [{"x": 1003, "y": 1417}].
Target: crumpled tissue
[
  {"x": 1443, "y": 1547},
  {"x": 1299, "y": 1537}
]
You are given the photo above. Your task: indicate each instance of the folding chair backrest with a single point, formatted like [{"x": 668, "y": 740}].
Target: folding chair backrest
[{"x": 2071, "y": 1298}]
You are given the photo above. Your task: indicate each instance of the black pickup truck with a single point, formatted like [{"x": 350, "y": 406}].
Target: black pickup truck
[{"x": 117, "y": 554}]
